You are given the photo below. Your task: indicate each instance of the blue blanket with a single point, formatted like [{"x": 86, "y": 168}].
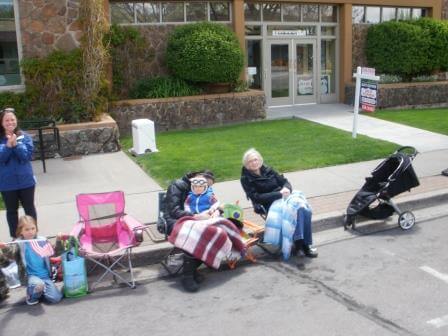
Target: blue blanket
[{"x": 281, "y": 222}]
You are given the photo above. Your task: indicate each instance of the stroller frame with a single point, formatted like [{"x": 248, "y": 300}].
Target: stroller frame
[{"x": 401, "y": 178}]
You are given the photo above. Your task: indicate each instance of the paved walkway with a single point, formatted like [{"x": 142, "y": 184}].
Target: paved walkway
[
  {"x": 341, "y": 116},
  {"x": 56, "y": 190}
]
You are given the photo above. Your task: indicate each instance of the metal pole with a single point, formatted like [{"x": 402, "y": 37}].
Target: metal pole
[{"x": 356, "y": 107}]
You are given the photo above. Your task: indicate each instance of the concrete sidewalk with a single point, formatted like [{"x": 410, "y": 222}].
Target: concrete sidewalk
[{"x": 65, "y": 178}]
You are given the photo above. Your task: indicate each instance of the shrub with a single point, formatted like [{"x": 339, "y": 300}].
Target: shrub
[
  {"x": 162, "y": 87},
  {"x": 204, "y": 52},
  {"x": 14, "y": 100},
  {"x": 54, "y": 87},
  {"x": 399, "y": 47},
  {"x": 130, "y": 56},
  {"x": 438, "y": 41}
]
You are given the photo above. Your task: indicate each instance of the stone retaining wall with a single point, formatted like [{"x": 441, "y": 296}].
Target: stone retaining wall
[
  {"x": 49, "y": 25},
  {"x": 190, "y": 112},
  {"x": 406, "y": 94},
  {"x": 82, "y": 139}
]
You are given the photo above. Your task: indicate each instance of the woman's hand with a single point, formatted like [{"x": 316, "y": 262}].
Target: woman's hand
[
  {"x": 285, "y": 192},
  {"x": 12, "y": 140}
]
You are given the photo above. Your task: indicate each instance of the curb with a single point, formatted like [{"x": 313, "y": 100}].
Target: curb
[{"x": 154, "y": 253}]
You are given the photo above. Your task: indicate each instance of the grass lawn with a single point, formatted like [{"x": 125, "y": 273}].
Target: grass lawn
[
  {"x": 435, "y": 120},
  {"x": 286, "y": 145},
  {"x": 2, "y": 205}
]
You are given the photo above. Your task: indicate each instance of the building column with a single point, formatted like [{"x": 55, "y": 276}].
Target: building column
[
  {"x": 345, "y": 54},
  {"x": 239, "y": 29}
]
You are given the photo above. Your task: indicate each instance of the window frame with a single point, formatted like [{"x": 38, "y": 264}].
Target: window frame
[{"x": 17, "y": 87}]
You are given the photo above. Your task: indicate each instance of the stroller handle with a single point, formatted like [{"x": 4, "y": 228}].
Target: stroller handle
[{"x": 406, "y": 150}]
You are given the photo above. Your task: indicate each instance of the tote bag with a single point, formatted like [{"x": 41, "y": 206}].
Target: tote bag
[{"x": 74, "y": 272}]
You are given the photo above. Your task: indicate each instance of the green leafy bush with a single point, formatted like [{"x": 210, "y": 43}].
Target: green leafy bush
[
  {"x": 438, "y": 41},
  {"x": 398, "y": 47},
  {"x": 131, "y": 58},
  {"x": 163, "y": 87},
  {"x": 14, "y": 100},
  {"x": 54, "y": 87},
  {"x": 204, "y": 52}
]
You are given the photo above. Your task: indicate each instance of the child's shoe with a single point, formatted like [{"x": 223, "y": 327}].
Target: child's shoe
[{"x": 33, "y": 292}]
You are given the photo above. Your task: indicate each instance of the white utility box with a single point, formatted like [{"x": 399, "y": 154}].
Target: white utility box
[{"x": 143, "y": 136}]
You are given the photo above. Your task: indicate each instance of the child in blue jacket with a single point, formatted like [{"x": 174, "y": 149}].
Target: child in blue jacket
[{"x": 201, "y": 198}]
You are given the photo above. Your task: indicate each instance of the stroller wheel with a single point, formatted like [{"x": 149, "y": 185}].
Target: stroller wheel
[{"x": 406, "y": 220}]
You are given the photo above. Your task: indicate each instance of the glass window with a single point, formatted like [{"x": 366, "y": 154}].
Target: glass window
[
  {"x": 328, "y": 31},
  {"x": 122, "y": 12},
  {"x": 272, "y": 12},
  {"x": 310, "y": 13},
  {"x": 9, "y": 56},
  {"x": 147, "y": 12},
  {"x": 417, "y": 13},
  {"x": 291, "y": 13},
  {"x": 328, "y": 13},
  {"x": 196, "y": 11},
  {"x": 403, "y": 13},
  {"x": 373, "y": 14},
  {"x": 172, "y": 11},
  {"x": 253, "y": 30},
  {"x": 252, "y": 11},
  {"x": 219, "y": 11},
  {"x": 327, "y": 66},
  {"x": 253, "y": 48},
  {"x": 358, "y": 14},
  {"x": 388, "y": 14}
]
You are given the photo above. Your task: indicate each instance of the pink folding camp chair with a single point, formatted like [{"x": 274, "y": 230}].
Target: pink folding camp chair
[{"x": 106, "y": 234}]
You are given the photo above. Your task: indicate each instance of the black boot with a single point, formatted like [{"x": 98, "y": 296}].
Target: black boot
[
  {"x": 310, "y": 252},
  {"x": 297, "y": 247},
  {"x": 188, "y": 281},
  {"x": 198, "y": 277}
]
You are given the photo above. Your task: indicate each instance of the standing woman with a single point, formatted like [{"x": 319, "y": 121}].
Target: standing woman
[
  {"x": 288, "y": 222},
  {"x": 17, "y": 182}
]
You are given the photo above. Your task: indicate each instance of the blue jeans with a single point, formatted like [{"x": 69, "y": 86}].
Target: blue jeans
[
  {"x": 50, "y": 293},
  {"x": 303, "y": 227}
]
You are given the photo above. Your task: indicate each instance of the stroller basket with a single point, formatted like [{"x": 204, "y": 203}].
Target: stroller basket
[{"x": 391, "y": 177}]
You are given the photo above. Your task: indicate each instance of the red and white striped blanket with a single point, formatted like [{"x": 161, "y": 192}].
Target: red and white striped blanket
[{"x": 210, "y": 240}]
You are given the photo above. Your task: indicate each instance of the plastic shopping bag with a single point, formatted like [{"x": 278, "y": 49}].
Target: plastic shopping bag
[
  {"x": 74, "y": 273},
  {"x": 11, "y": 274}
]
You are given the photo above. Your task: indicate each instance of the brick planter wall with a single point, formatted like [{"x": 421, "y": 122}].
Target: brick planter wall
[
  {"x": 190, "y": 112},
  {"x": 406, "y": 94},
  {"x": 82, "y": 139}
]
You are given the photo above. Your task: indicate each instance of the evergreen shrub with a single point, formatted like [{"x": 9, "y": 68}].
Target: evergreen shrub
[
  {"x": 438, "y": 41},
  {"x": 399, "y": 47},
  {"x": 205, "y": 53}
]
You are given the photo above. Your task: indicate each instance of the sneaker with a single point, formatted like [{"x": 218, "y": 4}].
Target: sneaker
[
  {"x": 31, "y": 292},
  {"x": 310, "y": 252},
  {"x": 445, "y": 172}
]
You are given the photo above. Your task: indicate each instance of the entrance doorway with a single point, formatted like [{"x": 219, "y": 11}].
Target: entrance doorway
[{"x": 291, "y": 72}]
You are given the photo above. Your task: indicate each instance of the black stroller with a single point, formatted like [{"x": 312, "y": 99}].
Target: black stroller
[{"x": 391, "y": 177}]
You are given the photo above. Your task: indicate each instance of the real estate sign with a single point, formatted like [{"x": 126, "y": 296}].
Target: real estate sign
[{"x": 369, "y": 90}]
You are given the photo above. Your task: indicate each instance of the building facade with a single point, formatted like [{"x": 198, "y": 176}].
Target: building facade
[{"x": 297, "y": 52}]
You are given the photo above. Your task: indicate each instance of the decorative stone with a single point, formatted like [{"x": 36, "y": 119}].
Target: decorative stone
[
  {"x": 66, "y": 43},
  {"x": 47, "y": 38},
  {"x": 36, "y": 26},
  {"x": 191, "y": 112}
]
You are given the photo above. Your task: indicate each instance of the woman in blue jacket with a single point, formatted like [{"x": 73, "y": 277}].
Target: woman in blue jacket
[{"x": 17, "y": 182}]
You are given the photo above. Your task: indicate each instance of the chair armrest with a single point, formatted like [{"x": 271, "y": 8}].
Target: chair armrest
[
  {"x": 77, "y": 229},
  {"x": 131, "y": 223}
]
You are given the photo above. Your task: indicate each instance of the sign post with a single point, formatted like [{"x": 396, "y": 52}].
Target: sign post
[{"x": 363, "y": 73}]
